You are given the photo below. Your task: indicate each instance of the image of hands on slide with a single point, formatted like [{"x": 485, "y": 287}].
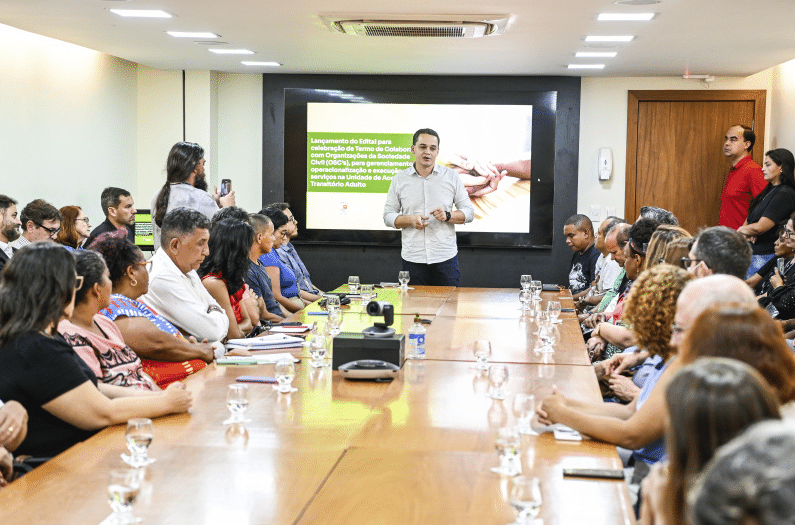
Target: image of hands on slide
[{"x": 354, "y": 150}]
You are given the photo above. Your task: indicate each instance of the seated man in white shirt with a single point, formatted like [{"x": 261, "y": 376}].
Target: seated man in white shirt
[{"x": 175, "y": 290}]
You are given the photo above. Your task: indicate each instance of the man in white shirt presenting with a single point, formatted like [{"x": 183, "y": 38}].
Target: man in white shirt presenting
[
  {"x": 420, "y": 202},
  {"x": 175, "y": 290}
]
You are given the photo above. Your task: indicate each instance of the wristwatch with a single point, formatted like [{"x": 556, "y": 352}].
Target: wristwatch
[{"x": 448, "y": 216}]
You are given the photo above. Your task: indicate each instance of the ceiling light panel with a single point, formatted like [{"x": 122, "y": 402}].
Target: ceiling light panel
[
  {"x": 265, "y": 64},
  {"x": 608, "y": 38},
  {"x": 586, "y": 66},
  {"x": 191, "y": 34},
  {"x": 625, "y": 17},
  {"x": 595, "y": 54},
  {"x": 231, "y": 51},
  {"x": 141, "y": 13}
]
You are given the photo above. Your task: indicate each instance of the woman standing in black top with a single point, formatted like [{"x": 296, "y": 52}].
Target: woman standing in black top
[
  {"x": 39, "y": 369},
  {"x": 775, "y": 204}
]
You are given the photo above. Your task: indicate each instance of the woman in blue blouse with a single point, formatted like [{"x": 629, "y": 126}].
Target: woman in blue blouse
[{"x": 285, "y": 287}]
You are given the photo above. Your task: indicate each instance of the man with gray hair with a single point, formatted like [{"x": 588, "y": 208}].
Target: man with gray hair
[
  {"x": 175, "y": 289},
  {"x": 751, "y": 479},
  {"x": 658, "y": 214},
  {"x": 718, "y": 250}
]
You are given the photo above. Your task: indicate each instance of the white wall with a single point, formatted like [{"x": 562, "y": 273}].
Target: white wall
[
  {"x": 603, "y": 123},
  {"x": 782, "y": 129},
  {"x": 68, "y": 121}
]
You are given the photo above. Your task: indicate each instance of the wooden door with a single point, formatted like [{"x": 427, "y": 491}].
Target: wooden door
[{"x": 675, "y": 150}]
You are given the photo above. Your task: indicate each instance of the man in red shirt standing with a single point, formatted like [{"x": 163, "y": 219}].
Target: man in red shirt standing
[{"x": 745, "y": 180}]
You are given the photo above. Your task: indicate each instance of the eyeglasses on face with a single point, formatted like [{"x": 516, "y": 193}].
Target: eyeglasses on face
[
  {"x": 787, "y": 234},
  {"x": 52, "y": 231},
  {"x": 687, "y": 262},
  {"x": 84, "y": 219},
  {"x": 146, "y": 264}
]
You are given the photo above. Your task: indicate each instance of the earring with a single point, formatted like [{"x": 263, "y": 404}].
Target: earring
[{"x": 133, "y": 282}]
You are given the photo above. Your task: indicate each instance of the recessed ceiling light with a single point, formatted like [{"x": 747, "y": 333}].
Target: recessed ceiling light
[
  {"x": 266, "y": 64},
  {"x": 192, "y": 34},
  {"x": 141, "y": 13},
  {"x": 623, "y": 17},
  {"x": 595, "y": 54},
  {"x": 586, "y": 66},
  {"x": 231, "y": 51},
  {"x": 636, "y": 2},
  {"x": 618, "y": 38}
]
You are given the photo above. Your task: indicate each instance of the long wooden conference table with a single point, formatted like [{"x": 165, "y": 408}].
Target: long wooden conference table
[{"x": 414, "y": 451}]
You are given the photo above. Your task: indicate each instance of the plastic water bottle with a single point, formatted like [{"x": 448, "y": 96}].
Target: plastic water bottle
[{"x": 417, "y": 339}]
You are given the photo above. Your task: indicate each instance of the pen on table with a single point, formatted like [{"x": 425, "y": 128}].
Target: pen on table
[{"x": 317, "y": 313}]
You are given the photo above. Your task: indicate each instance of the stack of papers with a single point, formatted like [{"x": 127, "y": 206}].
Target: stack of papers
[
  {"x": 289, "y": 329},
  {"x": 268, "y": 342},
  {"x": 259, "y": 359}
]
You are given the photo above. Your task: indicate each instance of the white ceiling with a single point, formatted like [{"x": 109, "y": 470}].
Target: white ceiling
[{"x": 718, "y": 37}]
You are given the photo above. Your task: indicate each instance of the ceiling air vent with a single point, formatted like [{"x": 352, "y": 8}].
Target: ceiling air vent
[{"x": 425, "y": 26}]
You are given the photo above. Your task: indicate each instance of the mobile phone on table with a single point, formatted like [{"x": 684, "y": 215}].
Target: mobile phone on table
[
  {"x": 566, "y": 434},
  {"x": 257, "y": 379},
  {"x": 600, "y": 473},
  {"x": 226, "y": 186}
]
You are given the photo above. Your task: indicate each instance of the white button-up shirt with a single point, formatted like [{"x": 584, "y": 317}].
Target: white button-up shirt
[
  {"x": 409, "y": 194},
  {"x": 184, "y": 301}
]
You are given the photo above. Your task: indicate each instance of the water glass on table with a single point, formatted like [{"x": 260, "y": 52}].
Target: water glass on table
[
  {"x": 524, "y": 406},
  {"x": 285, "y": 373},
  {"x": 335, "y": 321},
  {"x": 509, "y": 449},
  {"x": 353, "y": 283},
  {"x": 138, "y": 437},
  {"x": 332, "y": 302},
  {"x": 317, "y": 349},
  {"x": 554, "y": 309},
  {"x": 524, "y": 281},
  {"x": 498, "y": 378},
  {"x": 367, "y": 295},
  {"x": 123, "y": 487},
  {"x": 237, "y": 403},
  {"x": 525, "y": 498},
  {"x": 404, "y": 278},
  {"x": 482, "y": 351},
  {"x": 547, "y": 335},
  {"x": 526, "y": 299},
  {"x": 535, "y": 287}
]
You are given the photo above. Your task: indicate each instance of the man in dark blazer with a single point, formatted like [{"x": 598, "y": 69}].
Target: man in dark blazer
[{"x": 9, "y": 228}]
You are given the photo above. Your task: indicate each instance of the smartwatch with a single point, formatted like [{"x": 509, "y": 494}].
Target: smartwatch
[{"x": 448, "y": 216}]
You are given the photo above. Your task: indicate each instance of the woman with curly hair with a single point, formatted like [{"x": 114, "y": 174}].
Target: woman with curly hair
[
  {"x": 639, "y": 425},
  {"x": 167, "y": 356}
]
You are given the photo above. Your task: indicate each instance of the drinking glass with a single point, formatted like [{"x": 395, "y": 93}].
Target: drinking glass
[
  {"x": 542, "y": 318},
  {"x": 138, "y": 437},
  {"x": 353, "y": 283},
  {"x": 332, "y": 302},
  {"x": 546, "y": 333},
  {"x": 335, "y": 321},
  {"x": 535, "y": 287},
  {"x": 285, "y": 373},
  {"x": 123, "y": 487},
  {"x": 553, "y": 309},
  {"x": 498, "y": 377},
  {"x": 367, "y": 295},
  {"x": 237, "y": 402},
  {"x": 524, "y": 281},
  {"x": 404, "y": 279},
  {"x": 524, "y": 406},
  {"x": 509, "y": 450},
  {"x": 525, "y": 499},
  {"x": 525, "y": 297},
  {"x": 482, "y": 350},
  {"x": 317, "y": 349}
]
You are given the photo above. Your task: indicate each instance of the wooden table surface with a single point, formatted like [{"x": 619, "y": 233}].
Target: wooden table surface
[{"x": 416, "y": 450}]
